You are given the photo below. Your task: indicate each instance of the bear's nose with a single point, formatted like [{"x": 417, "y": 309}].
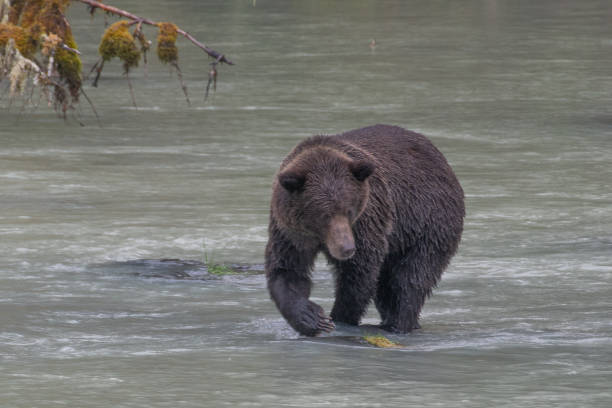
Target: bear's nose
[
  {"x": 339, "y": 240},
  {"x": 347, "y": 249}
]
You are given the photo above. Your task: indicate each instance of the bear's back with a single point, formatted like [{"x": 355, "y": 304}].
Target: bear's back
[
  {"x": 396, "y": 145},
  {"x": 397, "y": 152}
]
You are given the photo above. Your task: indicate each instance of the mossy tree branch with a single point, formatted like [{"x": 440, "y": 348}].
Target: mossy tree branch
[
  {"x": 38, "y": 51},
  {"x": 116, "y": 11}
]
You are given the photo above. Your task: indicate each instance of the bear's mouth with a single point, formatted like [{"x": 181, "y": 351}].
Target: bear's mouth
[{"x": 339, "y": 240}]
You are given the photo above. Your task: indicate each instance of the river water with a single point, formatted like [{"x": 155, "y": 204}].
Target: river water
[{"x": 517, "y": 94}]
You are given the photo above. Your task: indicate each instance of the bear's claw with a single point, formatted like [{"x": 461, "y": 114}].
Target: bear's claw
[
  {"x": 325, "y": 324},
  {"x": 313, "y": 321}
]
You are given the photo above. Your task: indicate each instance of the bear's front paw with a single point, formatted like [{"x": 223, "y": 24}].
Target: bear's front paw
[{"x": 312, "y": 320}]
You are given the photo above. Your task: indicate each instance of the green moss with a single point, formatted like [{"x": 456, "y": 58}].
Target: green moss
[
  {"x": 51, "y": 20},
  {"x": 40, "y": 29},
  {"x": 217, "y": 269},
  {"x": 381, "y": 341},
  {"x": 69, "y": 67},
  {"x": 117, "y": 41},
  {"x": 214, "y": 268},
  {"x": 166, "y": 43},
  {"x": 38, "y": 17}
]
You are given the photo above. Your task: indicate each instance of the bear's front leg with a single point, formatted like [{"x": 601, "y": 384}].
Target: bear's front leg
[
  {"x": 291, "y": 298},
  {"x": 289, "y": 283}
]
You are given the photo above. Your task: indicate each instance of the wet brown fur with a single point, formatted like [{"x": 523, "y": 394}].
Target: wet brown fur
[{"x": 404, "y": 207}]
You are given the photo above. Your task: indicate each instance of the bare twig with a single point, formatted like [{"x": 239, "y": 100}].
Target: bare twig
[
  {"x": 127, "y": 75},
  {"x": 98, "y": 68},
  {"x": 25, "y": 103},
  {"x": 114, "y": 10},
  {"x": 180, "y": 78},
  {"x": 212, "y": 78},
  {"x": 144, "y": 46},
  {"x": 50, "y": 65},
  {"x": 93, "y": 108},
  {"x": 67, "y": 48}
]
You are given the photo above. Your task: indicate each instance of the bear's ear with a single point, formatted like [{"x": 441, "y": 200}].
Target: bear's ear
[
  {"x": 361, "y": 169},
  {"x": 291, "y": 180}
]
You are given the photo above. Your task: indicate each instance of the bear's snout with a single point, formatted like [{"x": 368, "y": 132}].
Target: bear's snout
[{"x": 339, "y": 240}]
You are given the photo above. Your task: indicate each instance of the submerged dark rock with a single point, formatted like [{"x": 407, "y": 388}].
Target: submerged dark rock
[{"x": 179, "y": 269}]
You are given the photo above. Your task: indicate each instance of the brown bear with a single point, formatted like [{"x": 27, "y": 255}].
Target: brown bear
[{"x": 385, "y": 208}]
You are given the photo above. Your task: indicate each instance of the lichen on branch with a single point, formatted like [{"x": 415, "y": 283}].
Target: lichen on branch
[
  {"x": 37, "y": 48},
  {"x": 166, "y": 43},
  {"x": 117, "y": 41}
]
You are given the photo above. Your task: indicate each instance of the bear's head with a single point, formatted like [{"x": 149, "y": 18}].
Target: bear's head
[{"x": 319, "y": 195}]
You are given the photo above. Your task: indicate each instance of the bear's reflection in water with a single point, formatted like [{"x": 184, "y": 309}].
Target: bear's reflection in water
[{"x": 178, "y": 269}]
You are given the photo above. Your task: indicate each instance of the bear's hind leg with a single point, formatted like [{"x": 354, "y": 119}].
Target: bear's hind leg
[
  {"x": 400, "y": 311},
  {"x": 403, "y": 287}
]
